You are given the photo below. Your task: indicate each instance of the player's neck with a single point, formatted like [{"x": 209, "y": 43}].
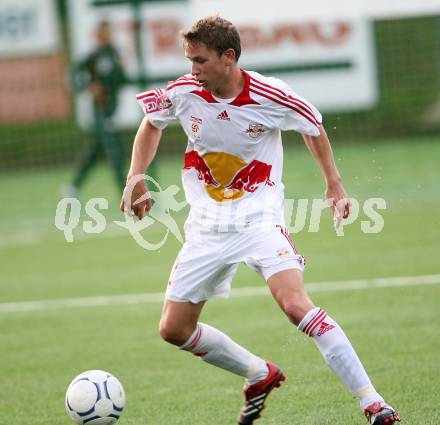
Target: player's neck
[{"x": 232, "y": 86}]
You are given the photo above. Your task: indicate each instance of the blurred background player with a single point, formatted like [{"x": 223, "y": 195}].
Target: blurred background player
[
  {"x": 102, "y": 73},
  {"x": 233, "y": 119}
]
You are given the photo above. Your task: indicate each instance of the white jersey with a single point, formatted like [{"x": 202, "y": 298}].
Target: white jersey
[{"x": 234, "y": 159}]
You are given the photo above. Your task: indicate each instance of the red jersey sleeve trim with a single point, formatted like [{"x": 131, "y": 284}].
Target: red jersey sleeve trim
[
  {"x": 151, "y": 92},
  {"x": 281, "y": 93},
  {"x": 282, "y": 96},
  {"x": 183, "y": 83},
  {"x": 309, "y": 117}
]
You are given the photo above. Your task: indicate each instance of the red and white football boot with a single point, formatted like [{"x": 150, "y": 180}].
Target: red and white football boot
[
  {"x": 256, "y": 394},
  {"x": 381, "y": 414}
]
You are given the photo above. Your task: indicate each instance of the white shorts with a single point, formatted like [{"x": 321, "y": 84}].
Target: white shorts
[{"x": 207, "y": 262}]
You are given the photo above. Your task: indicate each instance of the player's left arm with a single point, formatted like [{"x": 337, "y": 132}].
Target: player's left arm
[{"x": 335, "y": 194}]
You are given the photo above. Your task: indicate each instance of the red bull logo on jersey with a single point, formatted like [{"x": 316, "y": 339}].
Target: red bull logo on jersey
[
  {"x": 194, "y": 160},
  {"x": 255, "y": 130},
  {"x": 227, "y": 177},
  {"x": 251, "y": 176}
]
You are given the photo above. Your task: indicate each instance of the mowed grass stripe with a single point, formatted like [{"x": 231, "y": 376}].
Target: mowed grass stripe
[{"x": 348, "y": 285}]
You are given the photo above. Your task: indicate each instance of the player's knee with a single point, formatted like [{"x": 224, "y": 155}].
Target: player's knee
[
  {"x": 172, "y": 334},
  {"x": 168, "y": 333},
  {"x": 296, "y": 308}
]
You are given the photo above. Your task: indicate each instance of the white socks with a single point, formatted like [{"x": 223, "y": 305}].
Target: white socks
[
  {"x": 216, "y": 348},
  {"x": 339, "y": 354}
]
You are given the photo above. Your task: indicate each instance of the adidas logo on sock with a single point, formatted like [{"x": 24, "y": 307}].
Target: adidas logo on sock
[
  {"x": 223, "y": 116},
  {"x": 324, "y": 328}
]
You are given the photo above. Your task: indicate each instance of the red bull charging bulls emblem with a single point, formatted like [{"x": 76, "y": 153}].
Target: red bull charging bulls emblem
[
  {"x": 226, "y": 176},
  {"x": 255, "y": 130}
]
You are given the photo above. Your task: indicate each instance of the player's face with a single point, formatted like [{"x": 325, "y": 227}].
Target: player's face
[{"x": 210, "y": 69}]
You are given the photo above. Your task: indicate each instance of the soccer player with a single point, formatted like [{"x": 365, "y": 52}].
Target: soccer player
[{"x": 232, "y": 179}]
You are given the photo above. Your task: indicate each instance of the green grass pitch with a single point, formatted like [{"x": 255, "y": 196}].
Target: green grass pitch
[{"x": 395, "y": 330}]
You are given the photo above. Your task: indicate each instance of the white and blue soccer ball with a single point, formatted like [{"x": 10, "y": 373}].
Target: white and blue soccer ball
[{"x": 95, "y": 397}]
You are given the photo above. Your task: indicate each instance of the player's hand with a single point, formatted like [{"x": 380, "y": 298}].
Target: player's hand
[
  {"x": 136, "y": 199},
  {"x": 339, "y": 202}
]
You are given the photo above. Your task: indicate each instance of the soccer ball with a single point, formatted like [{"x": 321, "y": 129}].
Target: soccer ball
[{"x": 95, "y": 397}]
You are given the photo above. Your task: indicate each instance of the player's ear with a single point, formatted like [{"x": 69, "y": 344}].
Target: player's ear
[{"x": 229, "y": 55}]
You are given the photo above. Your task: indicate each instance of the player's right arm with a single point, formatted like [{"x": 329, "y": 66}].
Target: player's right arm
[
  {"x": 136, "y": 197},
  {"x": 159, "y": 111},
  {"x": 159, "y": 107}
]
